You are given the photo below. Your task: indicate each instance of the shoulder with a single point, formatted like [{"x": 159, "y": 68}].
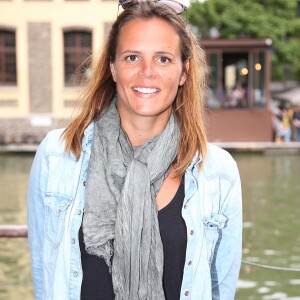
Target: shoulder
[
  {"x": 54, "y": 139},
  {"x": 219, "y": 162},
  {"x": 53, "y": 144},
  {"x": 218, "y": 156}
]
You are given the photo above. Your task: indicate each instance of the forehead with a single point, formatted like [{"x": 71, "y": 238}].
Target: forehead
[{"x": 153, "y": 32}]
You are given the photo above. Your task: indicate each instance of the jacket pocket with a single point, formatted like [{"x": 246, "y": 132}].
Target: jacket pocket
[
  {"x": 56, "y": 208},
  {"x": 212, "y": 230}
]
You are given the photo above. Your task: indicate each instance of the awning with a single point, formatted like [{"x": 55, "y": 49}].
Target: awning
[{"x": 292, "y": 96}]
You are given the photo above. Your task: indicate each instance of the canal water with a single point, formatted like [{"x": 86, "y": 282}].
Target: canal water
[{"x": 271, "y": 199}]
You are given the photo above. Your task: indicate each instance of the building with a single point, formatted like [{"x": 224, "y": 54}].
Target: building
[
  {"x": 239, "y": 94},
  {"x": 44, "y": 54},
  {"x": 42, "y": 42}
]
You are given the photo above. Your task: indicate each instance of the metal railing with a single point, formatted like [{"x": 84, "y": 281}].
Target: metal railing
[
  {"x": 20, "y": 231},
  {"x": 13, "y": 231}
]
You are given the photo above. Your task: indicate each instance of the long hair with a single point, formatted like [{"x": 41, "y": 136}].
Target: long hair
[{"x": 188, "y": 105}]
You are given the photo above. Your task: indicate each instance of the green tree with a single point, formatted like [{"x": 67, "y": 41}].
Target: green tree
[{"x": 275, "y": 19}]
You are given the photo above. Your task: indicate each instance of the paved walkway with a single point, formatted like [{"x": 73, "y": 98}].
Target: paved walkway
[
  {"x": 262, "y": 147},
  {"x": 18, "y": 148}
]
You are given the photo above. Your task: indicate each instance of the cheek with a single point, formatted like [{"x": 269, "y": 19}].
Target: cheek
[
  {"x": 122, "y": 78},
  {"x": 171, "y": 80}
]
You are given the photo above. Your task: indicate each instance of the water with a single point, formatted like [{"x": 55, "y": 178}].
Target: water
[
  {"x": 15, "y": 276},
  {"x": 271, "y": 194},
  {"x": 271, "y": 189}
]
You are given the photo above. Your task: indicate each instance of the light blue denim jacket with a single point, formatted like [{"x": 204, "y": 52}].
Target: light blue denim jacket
[{"x": 212, "y": 211}]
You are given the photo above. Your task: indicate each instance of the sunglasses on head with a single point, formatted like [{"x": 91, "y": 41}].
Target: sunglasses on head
[{"x": 174, "y": 5}]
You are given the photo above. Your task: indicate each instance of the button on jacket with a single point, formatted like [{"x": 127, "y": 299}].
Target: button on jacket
[{"x": 212, "y": 211}]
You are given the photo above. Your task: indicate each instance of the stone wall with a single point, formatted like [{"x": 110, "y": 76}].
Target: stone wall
[{"x": 22, "y": 131}]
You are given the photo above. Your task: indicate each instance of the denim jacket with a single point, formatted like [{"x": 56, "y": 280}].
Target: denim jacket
[{"x": 212, "y": 210}]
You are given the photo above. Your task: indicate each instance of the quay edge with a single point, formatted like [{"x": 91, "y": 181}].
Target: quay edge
[{"x": 250, "y": 147}]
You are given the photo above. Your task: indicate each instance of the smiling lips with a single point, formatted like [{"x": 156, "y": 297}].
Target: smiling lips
[{"x": 145, "y": 90}]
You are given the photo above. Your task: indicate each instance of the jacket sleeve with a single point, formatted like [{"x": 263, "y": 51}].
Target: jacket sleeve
[
  {"x": 227, "y": 255},
  {"x": 36, "y": 216}
]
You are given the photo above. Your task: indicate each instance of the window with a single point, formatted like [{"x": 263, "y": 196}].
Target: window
[
  {"x": 8, "y": 69},
  {"x": 77, "y": 50},
  {"x": 238, "y": 79}
]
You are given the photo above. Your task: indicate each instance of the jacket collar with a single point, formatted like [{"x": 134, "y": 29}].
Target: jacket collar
[
  {"x": 195, "y": 163},
  {"x": 88, "y": 136}
]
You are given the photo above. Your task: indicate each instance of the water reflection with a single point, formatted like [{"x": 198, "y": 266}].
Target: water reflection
[
  {"x": 14, "y": 170},
  {"x": 271, "y": 192},
  {"x": 271, "y": 226},
  {"x": 15, "y": 276}
]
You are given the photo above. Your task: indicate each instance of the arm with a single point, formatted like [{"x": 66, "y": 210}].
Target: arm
[
  {"x": 228, "y": 251},
  {"x": 35, "y": 216}
]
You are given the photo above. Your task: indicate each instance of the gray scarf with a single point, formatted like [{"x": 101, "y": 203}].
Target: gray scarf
[{"x": 120, "y": 215}]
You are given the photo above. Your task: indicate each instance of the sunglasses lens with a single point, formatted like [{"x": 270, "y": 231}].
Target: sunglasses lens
[
  {"x": 125, "y": 3},
  {"x": 174, "y": 5}
]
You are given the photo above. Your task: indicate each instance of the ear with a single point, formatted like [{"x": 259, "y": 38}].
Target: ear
[
  {"x": 113, "y": 72},
  {"x": 185, "y": 71}
]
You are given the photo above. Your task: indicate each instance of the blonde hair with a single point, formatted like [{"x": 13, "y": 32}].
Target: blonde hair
[{"x": 189, "y": 102}]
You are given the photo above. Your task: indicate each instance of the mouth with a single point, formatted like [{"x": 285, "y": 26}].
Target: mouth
[{"x": 146, "y": 90}]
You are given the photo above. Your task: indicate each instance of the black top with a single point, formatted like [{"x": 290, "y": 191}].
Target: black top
[{"x": 97, "y": 281}]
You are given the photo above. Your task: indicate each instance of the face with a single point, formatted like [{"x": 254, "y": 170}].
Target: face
[{"x": 148, "y": 69}]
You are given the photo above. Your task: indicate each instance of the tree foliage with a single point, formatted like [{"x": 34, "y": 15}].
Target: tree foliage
[{"x": 275, "y": 19}]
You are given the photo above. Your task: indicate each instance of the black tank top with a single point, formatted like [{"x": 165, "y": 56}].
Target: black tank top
[{"x": 97, "y": 281}]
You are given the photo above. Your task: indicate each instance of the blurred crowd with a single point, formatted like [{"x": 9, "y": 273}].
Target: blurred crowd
[
  {"x": 236, "y": 97},
  {"x": 286, "y": 123}
]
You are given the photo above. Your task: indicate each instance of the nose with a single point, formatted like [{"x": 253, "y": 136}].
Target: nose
[{"x": 147, "y": 69}]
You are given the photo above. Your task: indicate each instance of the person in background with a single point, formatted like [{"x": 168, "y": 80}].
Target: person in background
[
  {"x": 282, "y": 133},
  {"x": 237, "y": 99},
  {"x": 296, "y": 122},
  {"x": 130, "y": 201}
]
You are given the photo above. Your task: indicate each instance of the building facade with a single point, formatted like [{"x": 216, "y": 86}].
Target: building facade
[{"x": 45, "y": 49}]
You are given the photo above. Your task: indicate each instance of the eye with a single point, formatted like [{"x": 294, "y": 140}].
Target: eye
[
  {"x": 132, "y": 57},
  {"x": 164, "y": 60}
]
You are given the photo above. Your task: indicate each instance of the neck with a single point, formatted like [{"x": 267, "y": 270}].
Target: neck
[{"x": 140, "y": 130}]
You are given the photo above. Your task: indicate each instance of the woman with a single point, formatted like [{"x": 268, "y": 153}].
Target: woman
[{"x": 129, "y": 201}]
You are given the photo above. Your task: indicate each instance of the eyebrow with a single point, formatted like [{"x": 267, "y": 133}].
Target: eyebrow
[
  {"x": 130, "y": 51},
  {"x": 139, "y": 52}
]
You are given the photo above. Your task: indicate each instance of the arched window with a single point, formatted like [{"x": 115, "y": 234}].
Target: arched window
[
  {"x": 8, "y": 68},
  {"x": 77, "y": 50}
]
